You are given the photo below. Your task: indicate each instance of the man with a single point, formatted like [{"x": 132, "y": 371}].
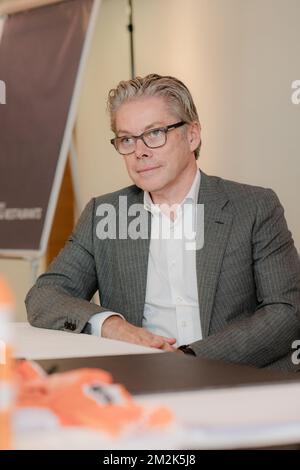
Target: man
[{"x": 234, "y": 297}]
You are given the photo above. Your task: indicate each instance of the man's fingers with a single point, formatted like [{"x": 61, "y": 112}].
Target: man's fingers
[
  {"x": 118, "y": 328},
  {"x": 157, "y": 342},
  {"x": 170, "y": 340},
  {"x": 160, "y": 341}
]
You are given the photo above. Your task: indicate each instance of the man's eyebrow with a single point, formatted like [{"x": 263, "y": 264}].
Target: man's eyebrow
[{"x": 153, "y": 125}]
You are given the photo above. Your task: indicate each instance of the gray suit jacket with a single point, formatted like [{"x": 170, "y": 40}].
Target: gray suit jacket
[{"x": 248, "y": 275}]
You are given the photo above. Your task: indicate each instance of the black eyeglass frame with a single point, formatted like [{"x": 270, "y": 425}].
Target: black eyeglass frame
[{"x": 165, "y": 129}]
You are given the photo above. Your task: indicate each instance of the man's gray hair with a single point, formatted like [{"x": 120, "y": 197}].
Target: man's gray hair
[{"x": 173, "y": 90}]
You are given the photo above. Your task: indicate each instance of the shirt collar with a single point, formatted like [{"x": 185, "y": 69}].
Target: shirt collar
[{"x": 192, "y": 195}]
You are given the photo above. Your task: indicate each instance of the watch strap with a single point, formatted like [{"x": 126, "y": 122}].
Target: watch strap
[{"x": 187, "y": 350}]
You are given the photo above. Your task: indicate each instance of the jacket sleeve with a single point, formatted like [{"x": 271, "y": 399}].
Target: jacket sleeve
[
  {"x": 60, "y": 299},
  {"x": 265, "y": 338}
]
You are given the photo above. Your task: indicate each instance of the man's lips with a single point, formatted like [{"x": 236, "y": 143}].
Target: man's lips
[{"x": 150, "y": 168}]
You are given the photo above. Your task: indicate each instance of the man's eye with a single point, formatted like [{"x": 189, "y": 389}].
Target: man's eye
[
  {"x": 155, "y": 133},
  {"x": 126, "y": 140}
]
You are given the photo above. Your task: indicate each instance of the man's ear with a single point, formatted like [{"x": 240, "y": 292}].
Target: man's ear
[{"x": 194, "y": 135}]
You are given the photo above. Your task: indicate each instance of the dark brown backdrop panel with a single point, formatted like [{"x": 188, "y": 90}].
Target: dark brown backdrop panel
[{"x": 40, "y": 52}]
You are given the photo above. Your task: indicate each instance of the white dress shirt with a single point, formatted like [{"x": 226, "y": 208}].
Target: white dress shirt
[{"x": 171, "y": 304}]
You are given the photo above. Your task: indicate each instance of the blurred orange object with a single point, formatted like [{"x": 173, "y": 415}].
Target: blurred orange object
[
  {"x": 6, "y": 364},
  {"x": 85, "y": 397}
]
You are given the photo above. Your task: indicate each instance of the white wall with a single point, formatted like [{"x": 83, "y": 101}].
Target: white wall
[
  {"x": 101, "y": 169},
  {"x": 239, "y": 58}
]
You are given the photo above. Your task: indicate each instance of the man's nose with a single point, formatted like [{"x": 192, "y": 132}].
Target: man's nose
[{"x": 141, "y": 149}]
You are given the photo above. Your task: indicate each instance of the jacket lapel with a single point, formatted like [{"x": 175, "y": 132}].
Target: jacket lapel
[
  {"x": 217, "y": 225},
  {"x": 133, "y": 262}
]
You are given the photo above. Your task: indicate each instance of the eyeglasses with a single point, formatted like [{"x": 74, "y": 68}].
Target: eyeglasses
[{"x": 153, "y": 139}]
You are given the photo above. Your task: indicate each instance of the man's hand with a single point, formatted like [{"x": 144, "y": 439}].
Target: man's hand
[{"x": 115, "y": 327}]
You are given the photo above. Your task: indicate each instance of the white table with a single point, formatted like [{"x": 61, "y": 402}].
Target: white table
[
  {"x": 221, "y": 418},
  {"x": 40, "y": 343}
]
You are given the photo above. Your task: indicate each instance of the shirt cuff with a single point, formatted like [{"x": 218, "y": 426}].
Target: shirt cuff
[{"x": 97, "y": 320}]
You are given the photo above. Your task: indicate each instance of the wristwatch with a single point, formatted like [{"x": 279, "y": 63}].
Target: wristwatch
[{"x": 187, "y": 350}]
